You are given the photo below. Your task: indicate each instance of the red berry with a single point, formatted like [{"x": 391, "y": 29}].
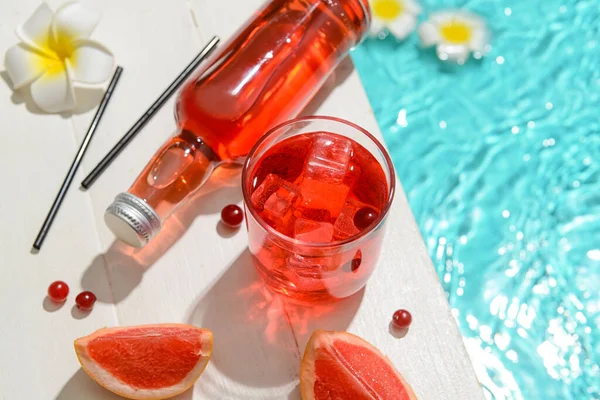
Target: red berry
[
  {"x": 355, "y": 264},
  {"x": 85, "y": 300},
  {"x": 232, "y": 216},
  {"x": 58, "y": 291},
  {"x": 356, "y": 261},
  {"x": 365, "y": 217},
  {"x": 402, "y": 319}
]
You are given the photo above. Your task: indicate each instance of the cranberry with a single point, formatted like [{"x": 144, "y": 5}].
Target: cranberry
[
  {"x": 365, "y": 217},
  {"x": 356, "y": 261},
  {"x": 85, "y": 300},
  {"x": 232, "y": 216},
  {"x": 58, "y": 291},
  {"x": 401, "y": 319}
]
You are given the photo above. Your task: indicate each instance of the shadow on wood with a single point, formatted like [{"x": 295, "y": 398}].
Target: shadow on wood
[
  {"x": 118, "y": 267},
  {"x": 81, "y": 386},
  {"x": 253, "y": 343},
  {"x": 226, "y": 232},
  {"x": 79, "y": 314},
  {"x": 51, "y": 306},
  {"x": 187, "y": 395},
  {"x": 259, "y": 336},
  {"x": 330, "y": 317},
  {"x": 295, "y": 394},
  {"x": 125, "y": 266},
  {"x": 398, "y": 333}
]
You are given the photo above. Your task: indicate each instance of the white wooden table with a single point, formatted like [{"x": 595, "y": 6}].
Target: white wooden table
[{"x": 193, "y": 272}]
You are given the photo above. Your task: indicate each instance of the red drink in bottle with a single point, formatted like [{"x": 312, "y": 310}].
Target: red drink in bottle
[
  {"x": 317, "y": 191},
  {"x": 265, "y": 75}
]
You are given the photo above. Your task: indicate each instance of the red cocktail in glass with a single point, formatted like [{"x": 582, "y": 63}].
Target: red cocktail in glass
[{"x": 317, "y": 191}]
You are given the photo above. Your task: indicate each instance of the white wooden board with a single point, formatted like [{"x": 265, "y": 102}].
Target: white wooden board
[{"x": 193, "y": 272}]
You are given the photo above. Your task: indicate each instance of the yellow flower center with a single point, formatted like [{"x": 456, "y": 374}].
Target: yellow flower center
[
  {"x": 51, "y": 66},
  {"x": 456, "y": 32},
  {"x": 58, "y": 49},
  {"x": 62, "y": 44},
  {"x": 387, "y": 10}
]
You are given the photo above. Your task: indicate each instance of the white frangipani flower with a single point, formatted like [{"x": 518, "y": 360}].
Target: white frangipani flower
[
  {"x": 55, "y": 50},
  {"x": 398, "y": 16},
  {"x": 456, "y": 33}
]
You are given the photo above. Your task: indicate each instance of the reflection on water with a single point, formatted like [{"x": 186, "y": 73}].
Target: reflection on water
[{"x": 500, "y": 160}]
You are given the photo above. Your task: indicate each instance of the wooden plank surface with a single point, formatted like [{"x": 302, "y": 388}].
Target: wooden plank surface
[{"x": 193, "y": 272}]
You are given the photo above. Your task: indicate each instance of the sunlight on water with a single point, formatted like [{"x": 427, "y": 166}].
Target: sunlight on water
[{"x": 500, "y": 160}]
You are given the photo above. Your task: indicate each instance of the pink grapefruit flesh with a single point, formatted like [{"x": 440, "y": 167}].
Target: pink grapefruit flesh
[
  {"x": 146, "y": 362},
  {"x": 339, "y": 366}
]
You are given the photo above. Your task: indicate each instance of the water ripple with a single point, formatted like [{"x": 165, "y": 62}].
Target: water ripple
[{"x": 500, "y": 160}]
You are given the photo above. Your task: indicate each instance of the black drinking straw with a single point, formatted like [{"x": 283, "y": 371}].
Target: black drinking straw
[
  {"x": 77, "y": 161},
  {"x": 135, "y": 129}
]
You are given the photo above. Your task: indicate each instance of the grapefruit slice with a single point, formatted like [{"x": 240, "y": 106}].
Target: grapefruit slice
[
  {"x": 146, "y": 362},
  {"x": 339, "y": 366}
]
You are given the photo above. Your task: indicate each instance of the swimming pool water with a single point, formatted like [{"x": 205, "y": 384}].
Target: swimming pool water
[{"x": 500, "y": 160}]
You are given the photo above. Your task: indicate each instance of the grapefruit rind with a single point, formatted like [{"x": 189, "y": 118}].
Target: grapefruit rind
[
  {"x": 325, "y": 339},
  {"x": 111, "y": 383}
]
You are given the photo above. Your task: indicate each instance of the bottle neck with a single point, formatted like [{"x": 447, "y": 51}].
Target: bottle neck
[{"x": 180, "y": 167}]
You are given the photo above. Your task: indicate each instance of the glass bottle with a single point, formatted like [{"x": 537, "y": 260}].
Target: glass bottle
[{"x": 265, "y": 75}]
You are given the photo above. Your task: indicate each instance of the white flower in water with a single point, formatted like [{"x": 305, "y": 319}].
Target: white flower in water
[
  {"x": 456, "y": 33},
  {"x": 398, "y": 16},
  {"x": 55, "y": 50}
]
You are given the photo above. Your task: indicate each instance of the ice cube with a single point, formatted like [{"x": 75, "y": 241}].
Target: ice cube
[
  {"x": 344, "y": 226},
  {"x": 269, "y": 186},
  {"x": 323, "y": 195},
  {"x": 313, "y": 231},
  {"x": 313, "y": 266},
  {"x": 315, "y": 214},
  {"x": 279, "y": 207},
  {"x": 353, "y": 174},
  {"x": 329, "y": 158}
]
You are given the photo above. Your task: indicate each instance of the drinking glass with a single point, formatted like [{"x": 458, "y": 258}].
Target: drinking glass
[{"x": 316, "y": 272}]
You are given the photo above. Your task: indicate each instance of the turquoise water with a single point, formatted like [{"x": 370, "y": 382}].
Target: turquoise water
[{"x": 500, "y": 159}]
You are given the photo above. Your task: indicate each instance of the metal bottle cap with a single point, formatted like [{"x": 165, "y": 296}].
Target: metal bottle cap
[{"x": 132, "y": 220}]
